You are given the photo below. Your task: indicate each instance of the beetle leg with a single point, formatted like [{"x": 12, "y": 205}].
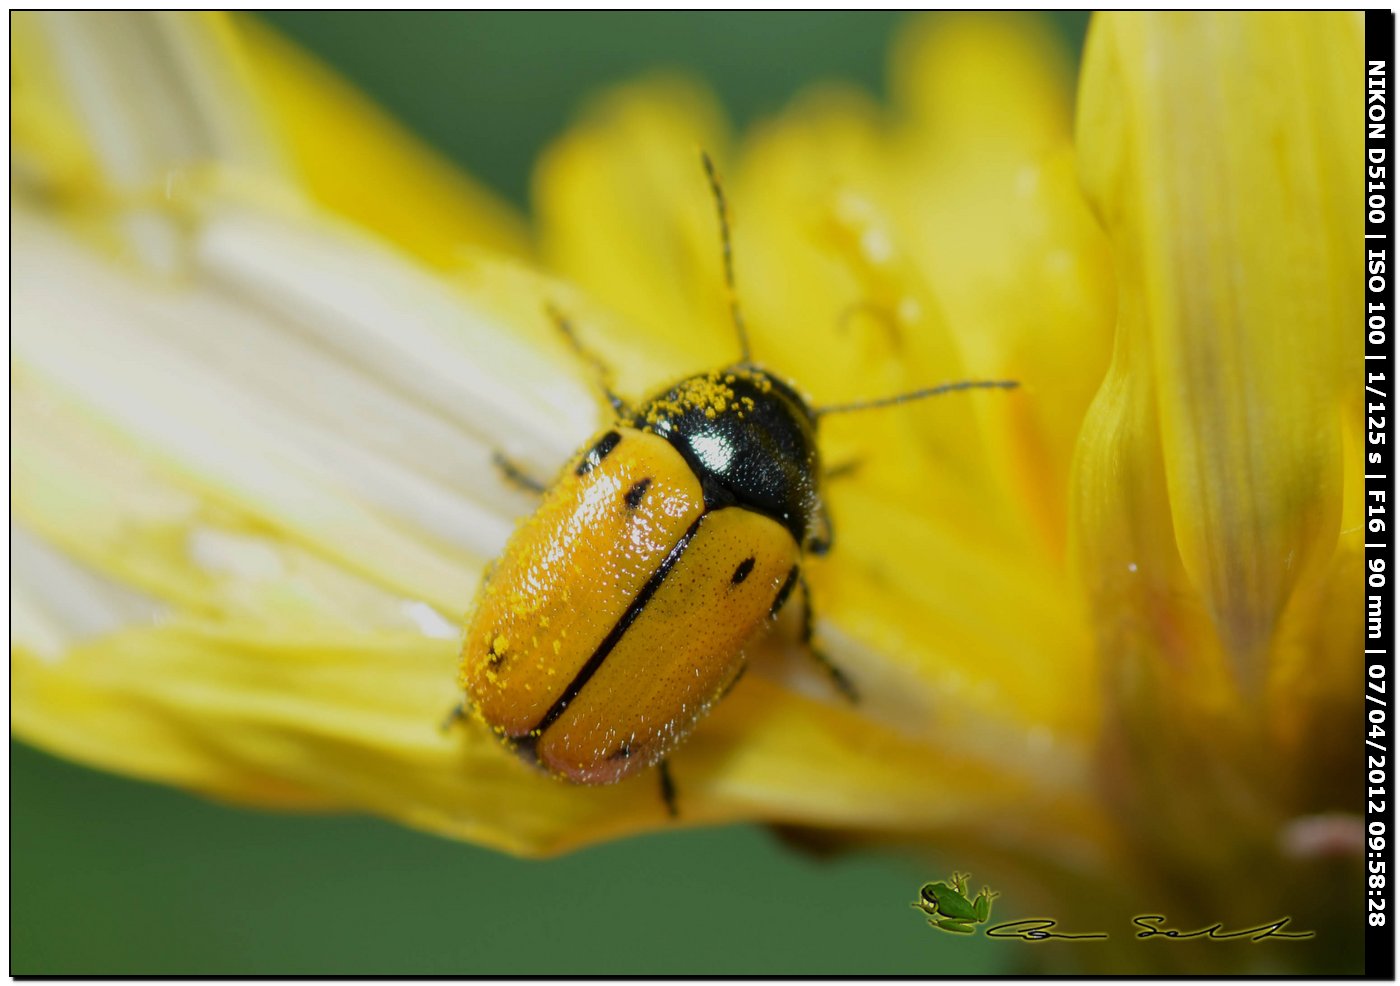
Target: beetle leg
[
  {"x": 848, "y": 468},
  {"x": 838, "y": 677},
  {"x": 819, "y": 540},
  {"x": 516, "y": 476},
  {"x": 456, "y": 715},
  {"x": 604, "y": 375},
  {"x": 668, "y": 788},
  {"x": 724, "y": 692}
]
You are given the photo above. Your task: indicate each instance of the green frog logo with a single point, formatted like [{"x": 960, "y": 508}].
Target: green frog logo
[{"x": 949, "y": 908}]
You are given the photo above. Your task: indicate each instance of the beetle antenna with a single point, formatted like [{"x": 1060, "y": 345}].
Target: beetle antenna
[
  {"x": 722, "y": 207},
  {"x": 915, "y": 395}
]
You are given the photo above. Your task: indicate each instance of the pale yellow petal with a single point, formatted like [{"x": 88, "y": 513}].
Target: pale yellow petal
[
  {"x": 154, "y": 366},
  {"x": 117, "y": 109}
]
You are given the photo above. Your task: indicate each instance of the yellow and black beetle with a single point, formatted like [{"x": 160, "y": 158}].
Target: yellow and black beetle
[{"x": 618, "y": 613}]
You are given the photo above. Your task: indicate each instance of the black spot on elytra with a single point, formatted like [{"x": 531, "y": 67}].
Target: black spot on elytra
[
  {"x": 598, "y": 453},
  {"x": 635, "y": 494},
  {"x": 742, "y": 572},
  {"x": 784, "y": 592},
  {"x": 621, "y": 753}
]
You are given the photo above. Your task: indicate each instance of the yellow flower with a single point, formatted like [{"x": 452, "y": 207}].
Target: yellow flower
[
  {"x": 265, "y": 348},
  {"x": 1216, "y": 482}
]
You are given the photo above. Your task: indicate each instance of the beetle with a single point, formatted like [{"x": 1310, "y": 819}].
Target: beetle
[{"x": 618, "y": 613}]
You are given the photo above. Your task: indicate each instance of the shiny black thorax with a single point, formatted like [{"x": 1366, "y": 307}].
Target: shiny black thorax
[{"x": 751, "y": 440}]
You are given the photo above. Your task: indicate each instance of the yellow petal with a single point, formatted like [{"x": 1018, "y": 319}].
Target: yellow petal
[
  {"x": 251, "y": 575},
  {"x": 979, "y": 83},
  {"x": 835, "y": 301},
  {"x": 357, "y": 161},
  {"x": 989, "y": 199},
  {"x": 911, "y": 587},
  {"x": 337, "y": 721},
  {"x": 1216, "y": 152},
  {"x": 625, "y": 213},
  {"x": 1220, "y": 152}
]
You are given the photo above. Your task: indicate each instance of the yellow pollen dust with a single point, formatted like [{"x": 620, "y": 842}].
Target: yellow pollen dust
[{"x": 710, "y": 394}]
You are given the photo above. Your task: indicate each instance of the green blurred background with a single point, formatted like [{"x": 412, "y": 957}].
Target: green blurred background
[{"x": 113, "y": 876}]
